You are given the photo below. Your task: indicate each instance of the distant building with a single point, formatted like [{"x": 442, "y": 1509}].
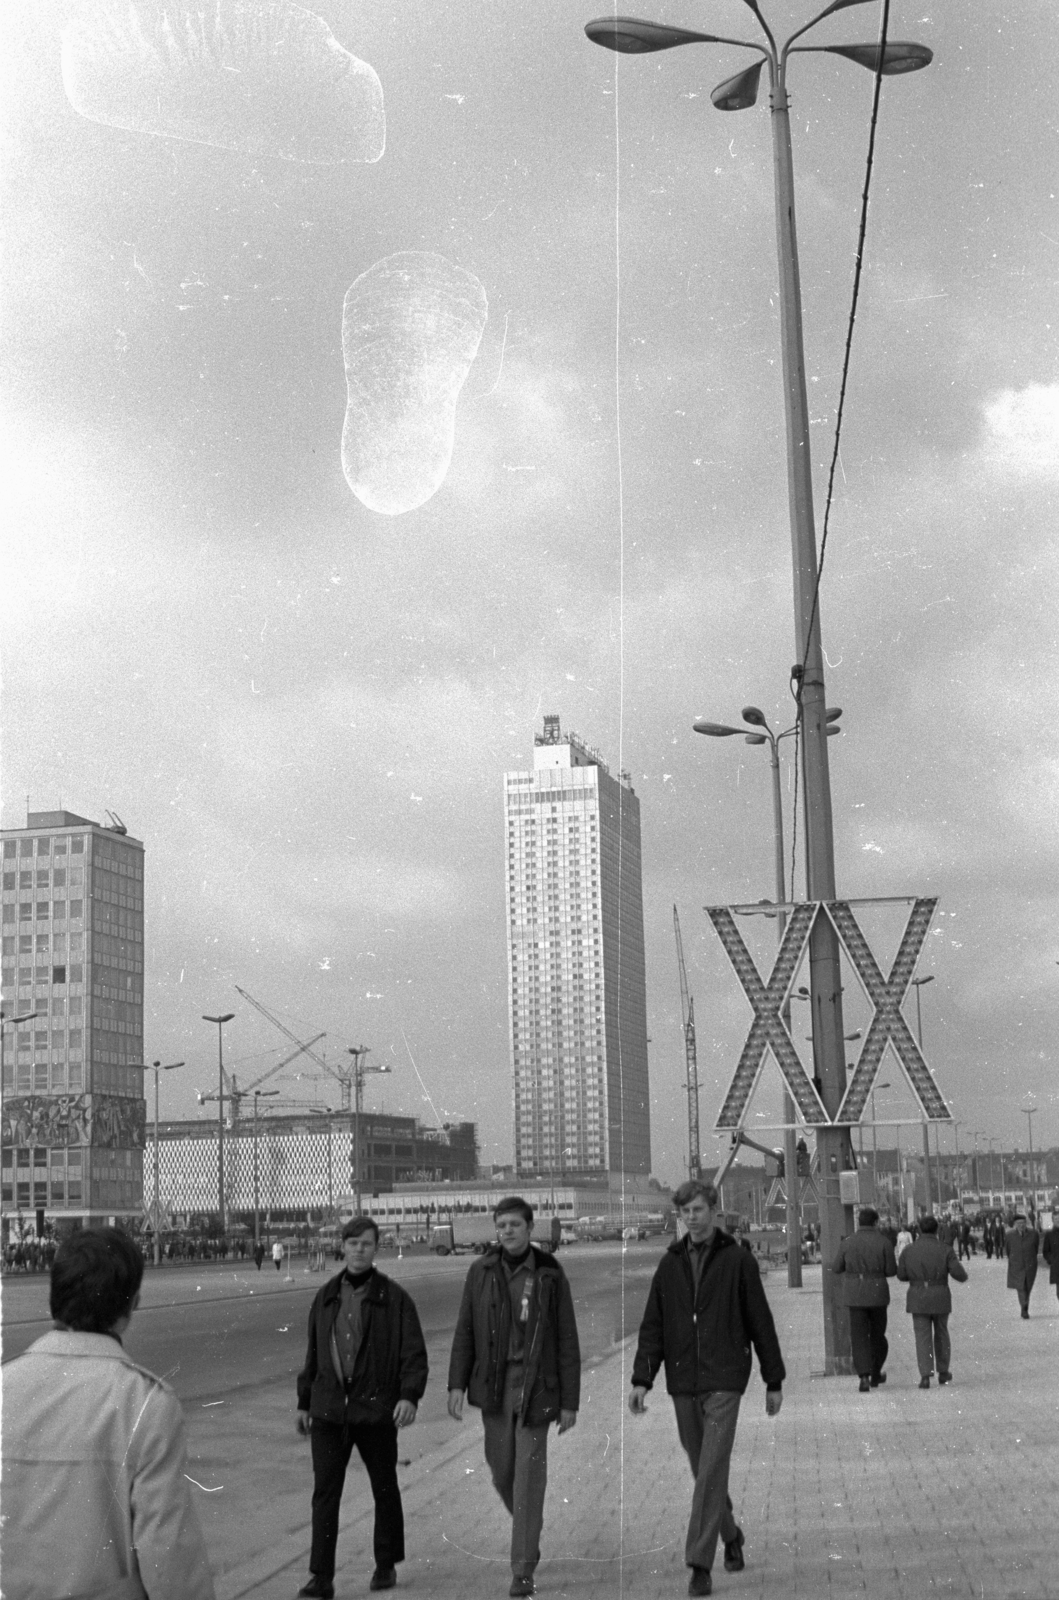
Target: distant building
[
  {"x": 74, "y": 1111},
  {"x": 300, "y": 1164},
  {"x": 577, "y": 989}
]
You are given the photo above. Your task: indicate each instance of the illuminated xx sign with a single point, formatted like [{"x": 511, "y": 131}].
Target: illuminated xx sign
[{"x": 769, "y": 1030}]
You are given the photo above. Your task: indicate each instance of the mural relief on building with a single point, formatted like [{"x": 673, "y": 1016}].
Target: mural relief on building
[{"x": 59, "y": 1120}]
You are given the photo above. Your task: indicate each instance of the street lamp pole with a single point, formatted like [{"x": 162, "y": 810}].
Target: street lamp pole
[
  {"x": 220, "y": 1021},
  {"x": 928, "y": 1202},
  {"x": 1029, "y": 1114},
  {"x": 359, "y": 1052},
  {"x": 5, "y": 1023},
  {"x": 157, "y": 1068},
  {"x": 258, "y": 1095},
  {"x": 634, "y": 36}
]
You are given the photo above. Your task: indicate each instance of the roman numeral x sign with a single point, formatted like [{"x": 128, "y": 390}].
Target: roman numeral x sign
[
  {"x": 888, "y": 1025},
  {"x": 768, "y": 1030}
]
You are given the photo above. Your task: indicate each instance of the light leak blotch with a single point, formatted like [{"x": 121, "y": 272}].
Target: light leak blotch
[
  {"x": 261, "y": 76},
  {"x": 411, "y": 327}
]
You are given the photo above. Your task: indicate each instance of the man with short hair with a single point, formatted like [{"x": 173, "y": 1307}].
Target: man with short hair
[
  {"x": 705, "y": 1308},
  {"x": 1021, "y": 1246},
  {"x": 866, "y": 1258},
  {"x": 97, "y": 1503},
  {"x": 516, "y": 1355},
  {"x": 365, "y": 1373},
  {"x": 926, "y": 1266}
]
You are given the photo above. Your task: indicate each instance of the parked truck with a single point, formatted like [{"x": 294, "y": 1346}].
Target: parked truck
[{"x": 477, "y": 1232}]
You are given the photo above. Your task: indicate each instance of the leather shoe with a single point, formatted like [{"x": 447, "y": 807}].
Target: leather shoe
[
  {"x": 924, "y": 1383},
  {"x": 522, "y": 1586},
  {"x": 944, "y": 1377},
  {"x": 383, "y": 1578},
  {"x": 733, "y": 1552},
  {"x": 701, "y": 1582},
  {"x": 1025, "y": 1315},
  {"x": 865, "y": 1385},
  {"x": 880, "y": 1377},
  {"x": 317, "y": 1588}
]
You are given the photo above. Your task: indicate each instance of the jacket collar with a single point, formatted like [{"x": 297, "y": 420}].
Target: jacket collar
[
  {"x": 539, "y": 1260},
  {"x": 719, "y": 1241},
  {"x": 98, "y": 1346},
  {"x": 374, "y": 1290}
]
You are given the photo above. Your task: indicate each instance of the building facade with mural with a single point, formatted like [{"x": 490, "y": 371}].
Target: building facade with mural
[{"x": 73, "y": 1115}]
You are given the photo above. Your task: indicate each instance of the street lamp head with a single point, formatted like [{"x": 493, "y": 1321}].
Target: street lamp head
[
  {"x": 228, "y": 1015},
  {"x": 755, "y": 738},
  {"x": 832, "y": 713},
  {"x": 716, "y": 730},
  {"x": 631, "y": 36},
  {"x": 919, "y": 982},
  {"x": 834, "y": 728},
  {"x": 739, "y": 92},
  {"x": 898, "y": 56},
  {"x": 755, "y": 717}
]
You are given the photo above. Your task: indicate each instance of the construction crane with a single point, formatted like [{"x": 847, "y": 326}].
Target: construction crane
[
  {"x": 344, "y": 1076},
  {"x": 687, "y": 1008},
  {"x": 235, "y": 1095}
]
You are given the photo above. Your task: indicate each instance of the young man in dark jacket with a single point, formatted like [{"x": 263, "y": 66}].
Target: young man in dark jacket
[
  {"x": 364, "y": 1375},
  {"x": 705, "y": 1308},
  {"x": 516, "y": 1354},
  {"x": 867, "y": 1259},
  {"x": 926, "y": 1266}
]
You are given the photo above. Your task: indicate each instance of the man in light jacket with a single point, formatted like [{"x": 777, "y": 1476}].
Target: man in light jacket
[
  {"x": 97, "y": 1505},
  {"x": 926, "y": 1267},
  {"x": 866, "y": 1258}
]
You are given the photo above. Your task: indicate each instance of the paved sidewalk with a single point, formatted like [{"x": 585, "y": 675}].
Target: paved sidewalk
[{"x": 895, "y": 1495}]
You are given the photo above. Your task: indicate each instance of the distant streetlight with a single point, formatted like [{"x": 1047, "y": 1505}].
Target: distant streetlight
[
  {"x": 875, "y": 1140},
  {"x": 928, "y": 1199},
  {"x": 1029, "y": 1114},
  {"x": 259, "y": 1094},
  {"x": 359, "y": 1052},
  {"x": 634, "y": 36},
  {"x": 220, "y": 1021},
  {"x": 5, "y": 1023},
  {"x": 157, "y": 1068}
]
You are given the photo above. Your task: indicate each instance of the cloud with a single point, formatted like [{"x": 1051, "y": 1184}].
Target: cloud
[{"x": 1022, "y": 430}]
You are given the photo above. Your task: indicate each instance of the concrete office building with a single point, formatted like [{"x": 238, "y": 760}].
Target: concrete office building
[
  {"x": 73, "y": 1105},
  {"x": 577, "y": 992}
]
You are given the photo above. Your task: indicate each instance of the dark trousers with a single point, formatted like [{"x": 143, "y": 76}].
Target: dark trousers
[
  {"x": 332, "y": 1445},
  {"x": 867, "y": 1331},
  {"x": 706, "y": 1425},
  {"x": 932, "y": 1341}
]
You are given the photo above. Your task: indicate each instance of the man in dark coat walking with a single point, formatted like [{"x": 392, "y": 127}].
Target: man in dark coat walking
[
  {"x": 516, "y": 1355},
  {"x": 866, "y": 1258},
  {"x": 1050, "y": 1253},
  {"x": 926, "y": 1266},
  {"x": 705, "y": 1308},
  {"x": 1021, "y": 1246},
  {"x": 364, "y": 1376}
]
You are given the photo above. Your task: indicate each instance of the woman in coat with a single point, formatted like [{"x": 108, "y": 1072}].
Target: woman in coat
[{"x": 926, "y": 1266}]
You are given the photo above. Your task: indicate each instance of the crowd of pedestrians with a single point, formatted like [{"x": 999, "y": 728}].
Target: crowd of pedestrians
[{"x": 95, "y": 1484}]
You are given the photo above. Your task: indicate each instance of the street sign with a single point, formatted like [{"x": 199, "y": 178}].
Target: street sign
[{"x": 769, "y": 1030}]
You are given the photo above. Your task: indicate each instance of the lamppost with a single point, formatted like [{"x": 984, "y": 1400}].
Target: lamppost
[
  {"x": 157, "y": 1068},
  {"x": 1029, "y": 1114},
  {"x": 979, "y": 1133},
  {"x": 721, "y": 730},
  {"x": 875, "y": 1140},
  {"x": 928, "y": 1205},
  {"x": 959, "y": 1166},
  {"x": 5, "y": 1023},
  {"x": 634, "y": 37},
  {"x": 259, "y": 1094},
  {"x": 220, "y": 1021},
  {"x": 992, "y": 1172},
  {"x": 360, "y": 1069}
]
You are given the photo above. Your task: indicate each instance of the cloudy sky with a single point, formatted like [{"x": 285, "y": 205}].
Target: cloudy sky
[{"x": 304, "y": 707}]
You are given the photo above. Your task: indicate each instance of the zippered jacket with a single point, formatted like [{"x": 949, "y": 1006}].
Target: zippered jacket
[
  {"x": 552, "y": 1371},
  {"x": 97, "y": 1501},
  {"x": 390, "y": 1365},
  {"x": 704, "y": 1337}
]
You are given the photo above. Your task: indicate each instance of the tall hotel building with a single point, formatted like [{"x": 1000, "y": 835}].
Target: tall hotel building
[
  {"x": 73, "y": 1092},
  {"x": 578, "y": 1009}
]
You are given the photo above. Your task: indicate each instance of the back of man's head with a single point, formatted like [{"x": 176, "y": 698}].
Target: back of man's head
[
  {"x": 868, "y": 1217},
  {"x": 95, "y": 1278},
  {"x": 928, "y": 1224}
]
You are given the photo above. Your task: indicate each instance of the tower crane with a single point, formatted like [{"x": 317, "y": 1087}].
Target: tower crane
[
  {"x": 344, "y": 1076},
  {"x": 687, "y": 1008},
  {"x": 236, "y": 1095}
]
